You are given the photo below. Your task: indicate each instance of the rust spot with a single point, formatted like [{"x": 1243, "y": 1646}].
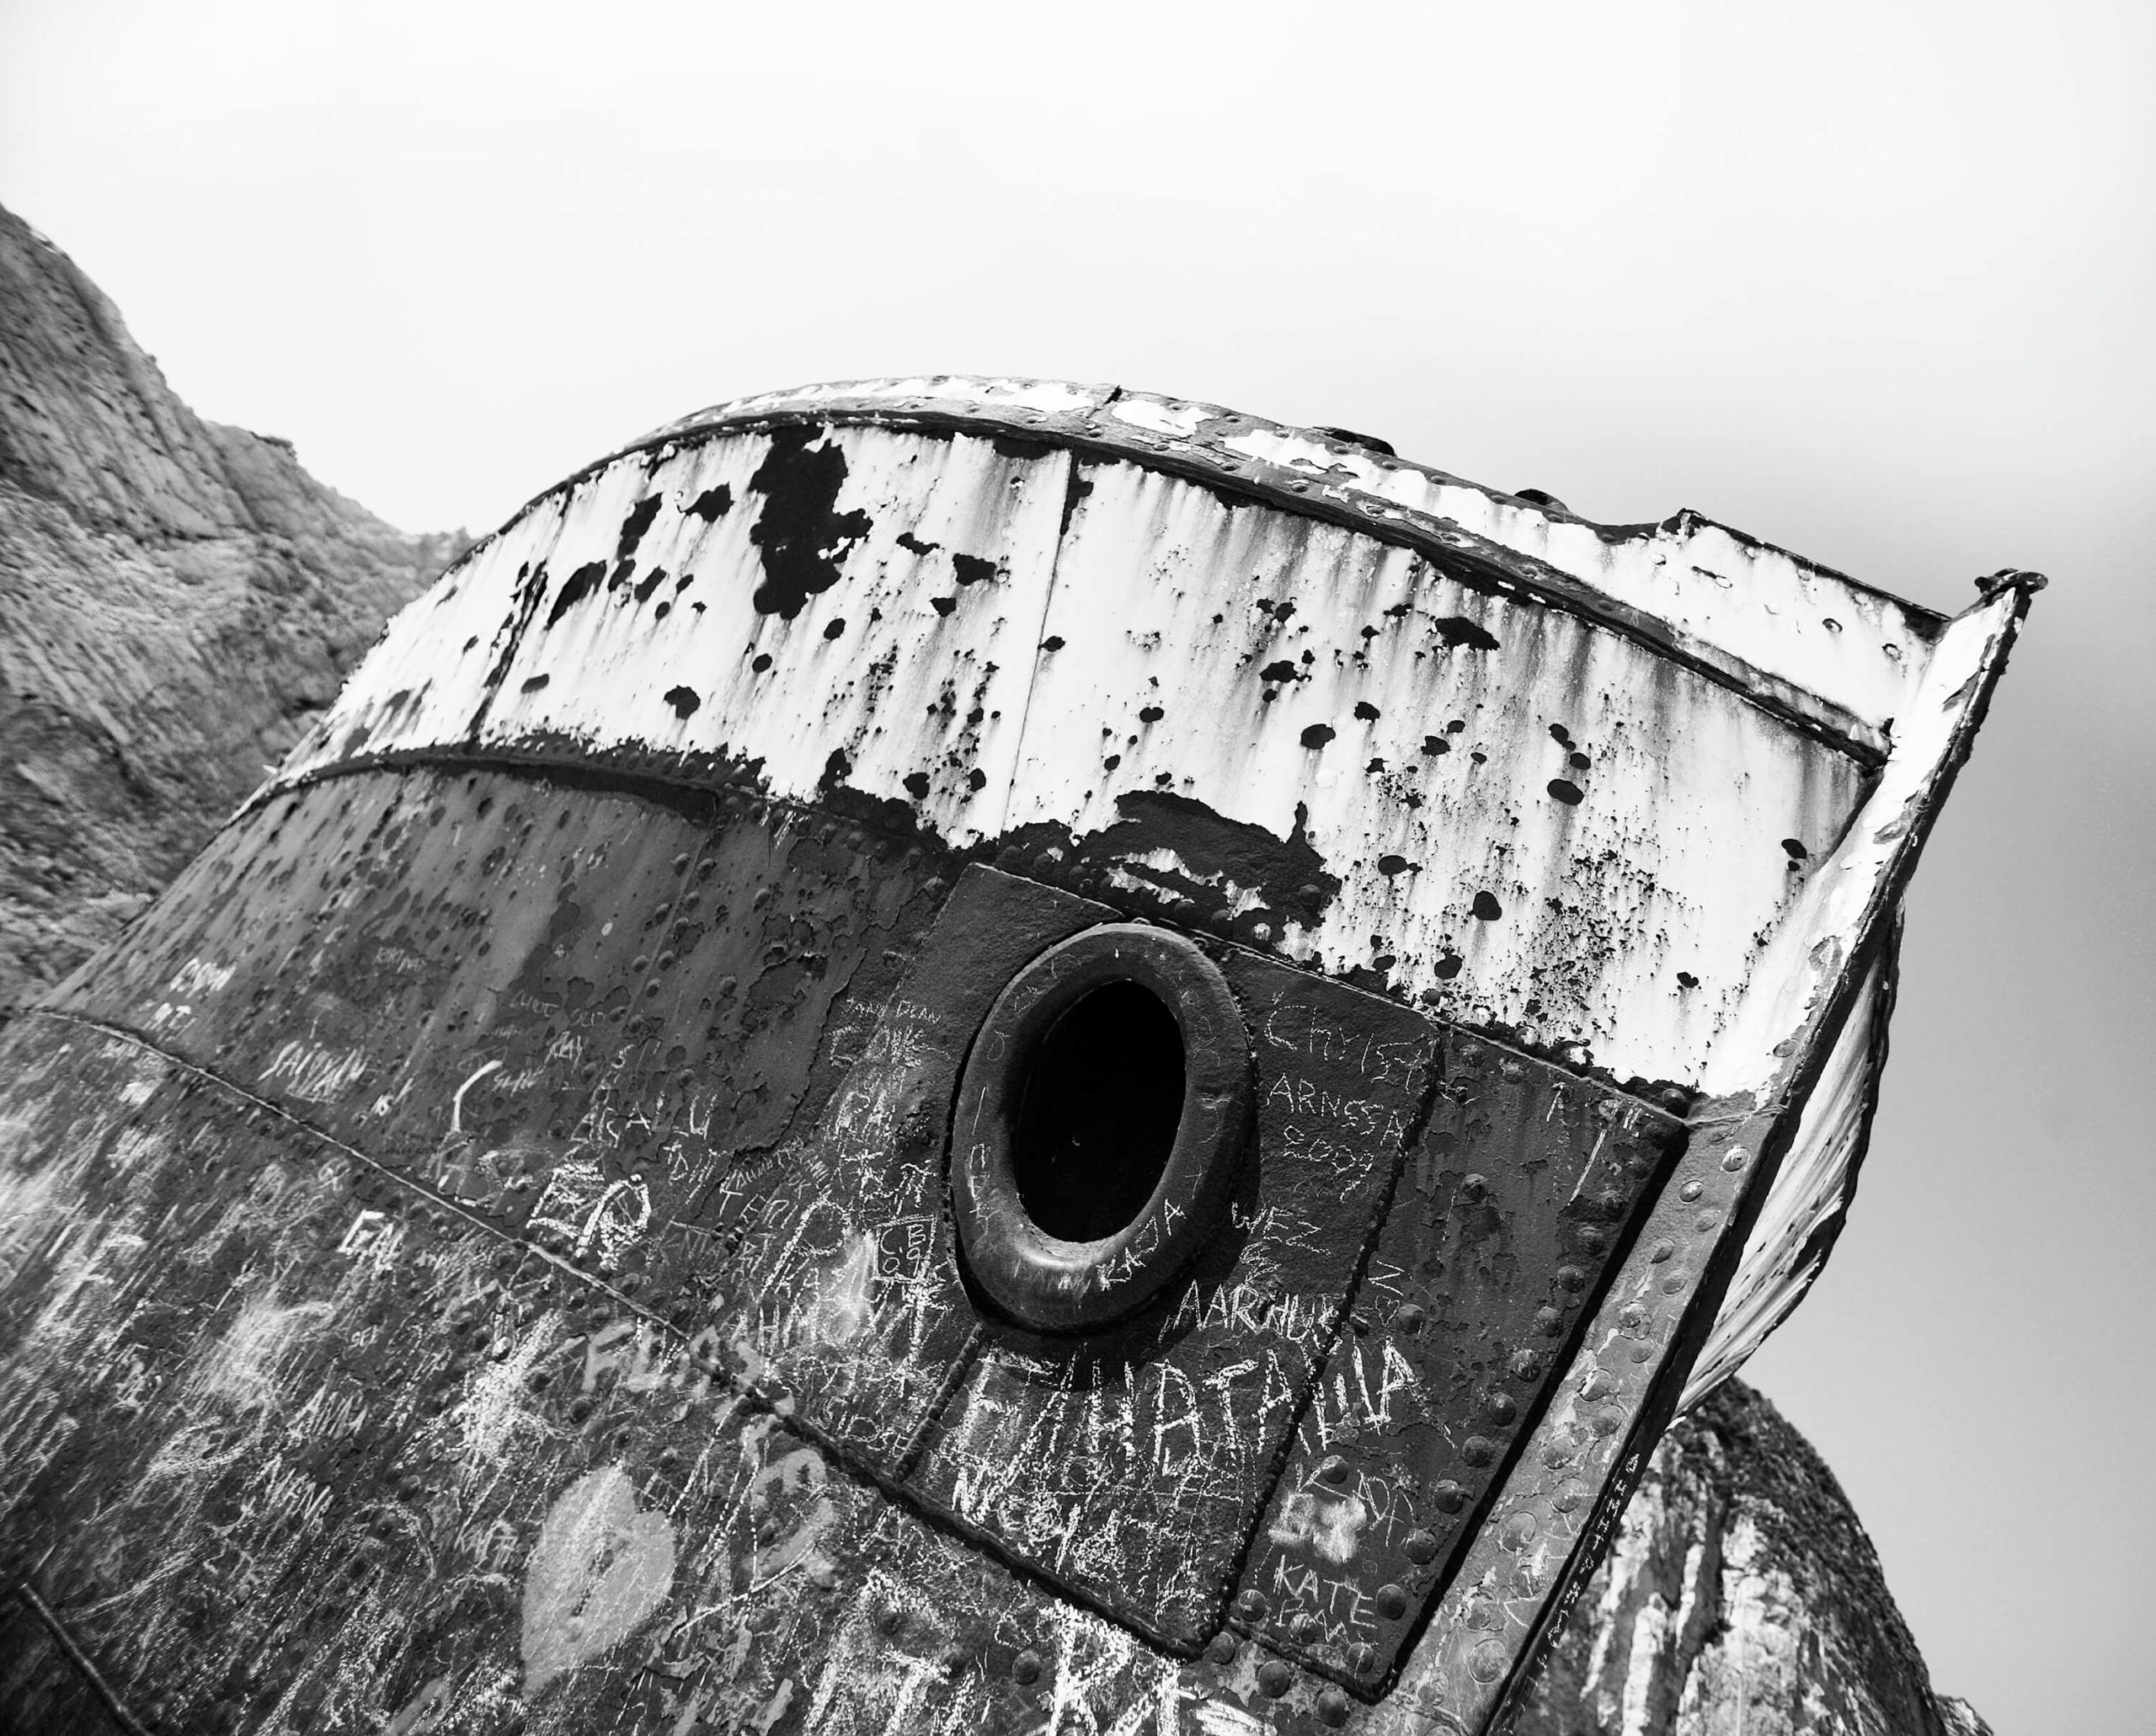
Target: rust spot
[
  {"x": 1080, "y": 486},
  {"x": 1457, "y": 630},
  {"x": 578, "y": 585},
  {"x": 800, "y": 536},
  {"x": 635, "y": 524}
]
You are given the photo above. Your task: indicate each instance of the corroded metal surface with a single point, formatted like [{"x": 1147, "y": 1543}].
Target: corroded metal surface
[
  {"x": 482, "y": 1250},
  {"x": 1797, "y": 1226},
  {"x": 1477, "y": 781}
]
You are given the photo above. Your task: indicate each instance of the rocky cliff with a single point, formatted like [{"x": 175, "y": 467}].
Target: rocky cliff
[
  {"x": 179, "y": 598},
  {"x": 1742, "y": 1598},
  {"x": 176, "y": 599}
]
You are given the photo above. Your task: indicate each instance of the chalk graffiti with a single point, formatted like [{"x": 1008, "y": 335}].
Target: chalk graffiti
[
  {"x": 373, "y": 1236},
  {"x": 601, "y": 1567},
  {"x": 313, "y": 1073},
  {"x": 1328, "y": 1523},
  {"x": 598, "y": 1218}
]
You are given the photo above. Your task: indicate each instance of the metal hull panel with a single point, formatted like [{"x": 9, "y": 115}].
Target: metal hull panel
[
  {"x": 480, "y": 1253},
  {"x": 295, "y": 1455},
  {"x": 696, "y": 1058},
  {"x": 1499, "y": 806}
]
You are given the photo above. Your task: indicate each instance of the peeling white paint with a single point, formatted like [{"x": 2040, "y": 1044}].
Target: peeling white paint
[{"x": 1667, "y": 870}]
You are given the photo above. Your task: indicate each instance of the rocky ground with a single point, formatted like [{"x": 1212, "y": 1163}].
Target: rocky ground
[
  {"x": 178, "y": 599},
  {"x": 1742, "y": 1598}
]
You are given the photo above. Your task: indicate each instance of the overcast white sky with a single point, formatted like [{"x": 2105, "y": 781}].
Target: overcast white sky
[{"x": 1875, "y": 281}]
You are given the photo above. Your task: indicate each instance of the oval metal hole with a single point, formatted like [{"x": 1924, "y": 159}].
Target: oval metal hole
[
  {"x": 1102, "y": 1111},
  {"x": 1102, "y": 1104}
]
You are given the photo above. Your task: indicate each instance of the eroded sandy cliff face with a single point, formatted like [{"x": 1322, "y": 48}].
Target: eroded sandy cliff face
[
  {"x": 177, "y": 600},
  {"x": 1742, "y": 1598}
]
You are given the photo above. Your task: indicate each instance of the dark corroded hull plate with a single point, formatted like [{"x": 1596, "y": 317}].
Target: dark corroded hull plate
[{"x": 319, "y": 1329}]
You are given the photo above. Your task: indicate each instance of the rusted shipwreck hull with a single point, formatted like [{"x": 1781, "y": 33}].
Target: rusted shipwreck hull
[{"x": 965, "y": 1055}]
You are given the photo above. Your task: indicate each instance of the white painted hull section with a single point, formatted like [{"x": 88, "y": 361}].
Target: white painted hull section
[{"x": 1125, "y": 596}]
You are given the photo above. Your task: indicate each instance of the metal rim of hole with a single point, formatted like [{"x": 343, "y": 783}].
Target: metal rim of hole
[{"x": 1039, "y": 1279}]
